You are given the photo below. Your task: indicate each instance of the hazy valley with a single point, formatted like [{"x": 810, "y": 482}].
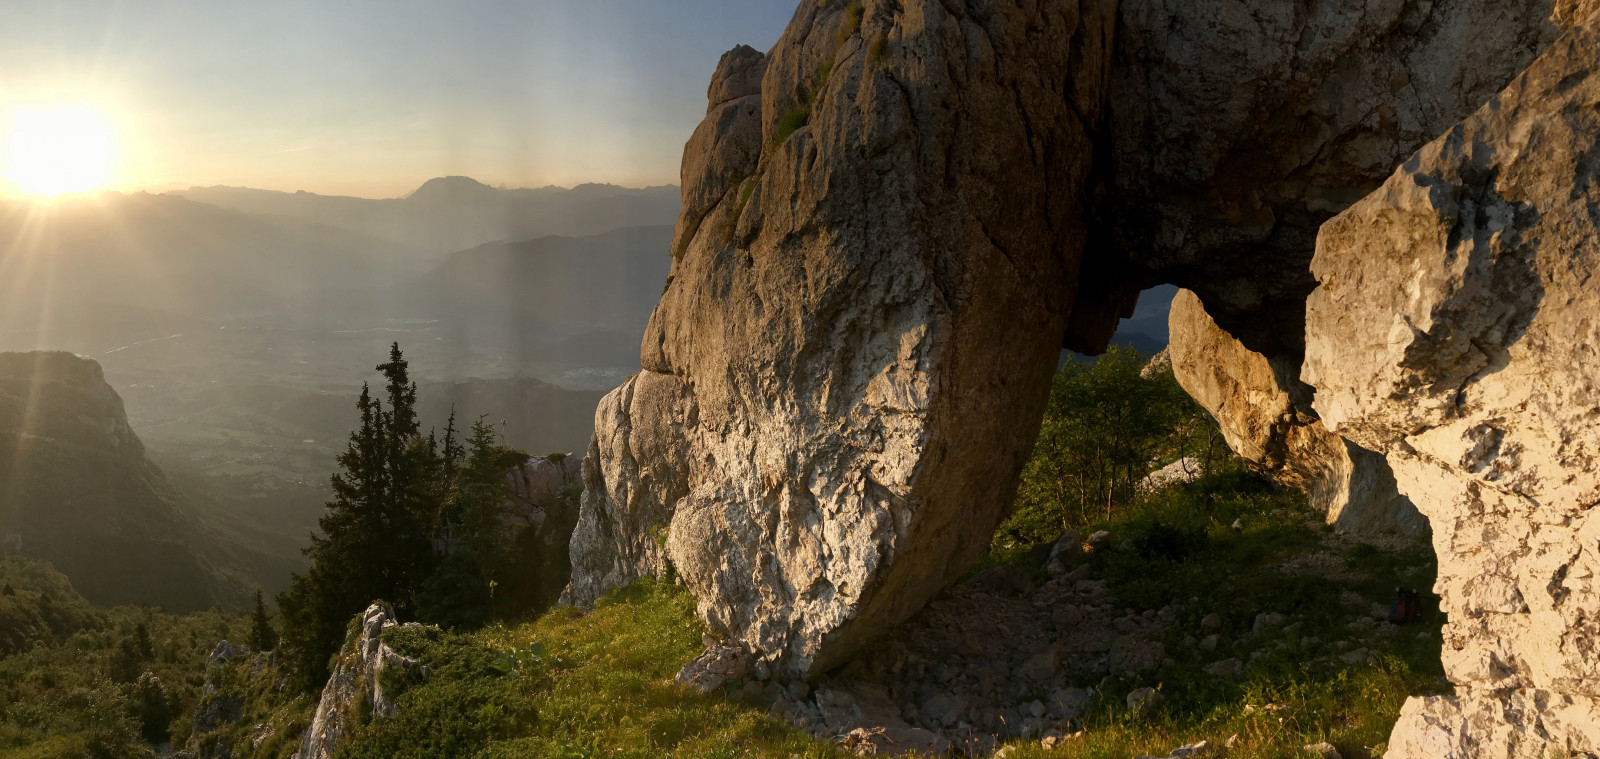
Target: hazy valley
[{"x": 238, "y": 340}]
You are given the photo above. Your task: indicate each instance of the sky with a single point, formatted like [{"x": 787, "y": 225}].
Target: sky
[{"x": 371, "y": 98}]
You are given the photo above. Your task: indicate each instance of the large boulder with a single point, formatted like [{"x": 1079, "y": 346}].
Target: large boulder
[
  {"x": 849, "y": 364},
  {"x": 1456, "y": 327},
  {"x": 1251, "y": 398},
  {"x": 883, "y": 249}
]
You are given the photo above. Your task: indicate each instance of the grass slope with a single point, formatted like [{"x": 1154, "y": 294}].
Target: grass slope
[{"x": 573, "y": 684}]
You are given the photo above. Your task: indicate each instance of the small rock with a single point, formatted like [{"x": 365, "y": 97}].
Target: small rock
[
  {"x": 1069, "y": 703},
  {"x": 712, "y": 669},
  {"x": 1225, "y": 668},
  {"x": 1233, "y": 740},
  {"x": 1081, "y": 573},
  {"x": 1142, "y": 700},
  {"x": 1036, "y": 708},
  {"x": 1211, "y": 622},
  {"x": 944, "y": 708},
  {"x": 1040, "y": 667},
  {"x": 1357, "y": 656},
  {"x": 1068, "y": 546},
  {"x": 1193, "y": 749},
  {"x": 1005, "y": 580},
  {"x": 1210, "y": 642},
  {"x": 1099, "y": 538},
  {"x": 1066, "y": 617},
  {"x": 1268, "y": 621},
  {"x": 1238, "y": 524},
  {"x": 1324, "y": 750},
  {"x": 223, "y": 652}
]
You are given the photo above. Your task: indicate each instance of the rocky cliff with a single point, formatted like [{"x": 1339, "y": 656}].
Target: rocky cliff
[
  {"x": 895, "y": 218},
  {"x": 1455, "y": 328},
  {"x": 77, "y": 490},
  {"x": 1252, "y": 398}
]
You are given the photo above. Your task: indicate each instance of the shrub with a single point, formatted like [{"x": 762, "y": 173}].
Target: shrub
[{"x": 1107, "y": 425}]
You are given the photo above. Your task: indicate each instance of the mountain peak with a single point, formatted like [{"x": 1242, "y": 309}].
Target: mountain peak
[{"x": 444, "y": 188}]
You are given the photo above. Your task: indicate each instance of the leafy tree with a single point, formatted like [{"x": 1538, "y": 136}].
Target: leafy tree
[{"x": 262, "y": 636}]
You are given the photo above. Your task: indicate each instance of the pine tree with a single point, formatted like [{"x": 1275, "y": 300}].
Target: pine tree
[
  {"x": 376, "y": 535},
  {"x": 417, "y": 487},
  {"x": 347, "y": 559},
  {"x": 461, "y": 592},
  {"x": 262, "y": 636}
]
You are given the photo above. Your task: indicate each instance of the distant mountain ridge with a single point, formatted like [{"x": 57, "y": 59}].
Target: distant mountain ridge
[
  {"x": 452, "y": 213},
  {"x": 554, "y": 287}
]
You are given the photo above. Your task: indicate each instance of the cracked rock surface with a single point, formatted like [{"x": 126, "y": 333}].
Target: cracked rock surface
[
  {"x": 1455, "y": 327},
  {"x": 357, "y": 679},
  {"x": 1251, "y": 398},
  {"x": 848, "y": 367}
]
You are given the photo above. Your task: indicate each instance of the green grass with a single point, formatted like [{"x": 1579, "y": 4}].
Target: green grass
[
  {"x": 853, "y": 13},
  {"x": 574, "y": 684},
  {"x": 588, "y": 684},
  {"x": 1179, "y": 549},
  {"x": 797, "y": 116}
]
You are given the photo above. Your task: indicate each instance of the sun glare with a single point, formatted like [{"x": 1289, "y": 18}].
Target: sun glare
[{"x": 50, "y": 151}]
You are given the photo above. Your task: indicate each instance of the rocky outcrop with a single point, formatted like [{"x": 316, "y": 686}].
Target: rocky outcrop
[
  {"x": 787, "y": 448},
  {"x": 1455, "y": 327},
  {"x": 1236, "y": 127},
  {"x": 357, "y": 684},
  {"x": 1252, "y": 399},
  {"x": 882, "y": 250},
  {"x": 544, "y": 497}
]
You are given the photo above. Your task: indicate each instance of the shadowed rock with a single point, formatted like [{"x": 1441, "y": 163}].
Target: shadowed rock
[
  {"x": 1455, "y": 327},
  {"x": 1250, "y": 396}
]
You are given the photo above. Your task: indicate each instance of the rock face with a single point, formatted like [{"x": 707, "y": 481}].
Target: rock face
[
  {"x": 1236, "y": 127},
  {"x": 1455, "y": 327},
  {"x": 848, "y": 366},
  {"x": 883, "y": 248},
  {"x": 1252, "y": 398},
  {"x": 545, "y": 492},
  {"x": 357, "y": 681}
]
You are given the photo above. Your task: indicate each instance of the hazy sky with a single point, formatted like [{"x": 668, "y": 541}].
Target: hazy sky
[{"x": 369, "y": 97}]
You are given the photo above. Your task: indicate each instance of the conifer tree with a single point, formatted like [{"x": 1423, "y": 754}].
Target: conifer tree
[
  {"x": 348, "y": 559},
  {"x": 262, "y": 636},
  {"x": 396, "y": 494}
]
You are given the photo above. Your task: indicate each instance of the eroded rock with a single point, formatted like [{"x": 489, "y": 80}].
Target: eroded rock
[
  {"x": 1236, "y": 127},
  {"x": 786, "y": 448},
  {"x": 881, "y": 253},
  {"x": 1455, "y": 327},
  {"x": 356, "y": 683},
  {"x": 1253, "y": 400}
]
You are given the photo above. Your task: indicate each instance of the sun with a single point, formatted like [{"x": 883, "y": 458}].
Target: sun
[{"x": 59, "y": 149}]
